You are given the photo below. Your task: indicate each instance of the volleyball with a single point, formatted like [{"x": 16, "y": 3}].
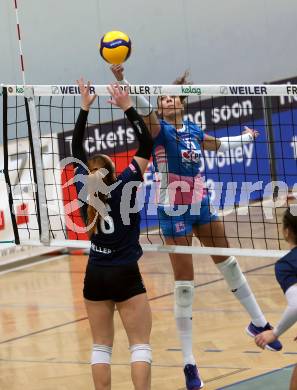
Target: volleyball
[{"x": 115, "y": 47}]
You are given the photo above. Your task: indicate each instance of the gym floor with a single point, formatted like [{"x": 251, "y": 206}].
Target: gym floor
[{"x": 45, "y": 337}]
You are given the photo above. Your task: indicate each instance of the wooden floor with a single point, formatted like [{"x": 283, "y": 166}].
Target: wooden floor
[{"x": 45, "y": 337}]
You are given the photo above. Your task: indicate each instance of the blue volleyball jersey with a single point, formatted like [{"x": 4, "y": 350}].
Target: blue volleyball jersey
[
  {"x": 286, "y": 270},
  {"x": 118, "y": 243},
  {"x": 177, "y": 162}
]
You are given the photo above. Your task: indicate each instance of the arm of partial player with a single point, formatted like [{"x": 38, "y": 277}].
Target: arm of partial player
[
  {"x": 224, "y": 144},
  {"x": 288, "y": 319},
  {"x": 289, "y": 316}
]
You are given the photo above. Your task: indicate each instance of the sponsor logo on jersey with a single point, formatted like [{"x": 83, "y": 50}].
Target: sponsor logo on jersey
[
  {"x": 190, "y": 156},
  {"x": 100, "y": 249}
]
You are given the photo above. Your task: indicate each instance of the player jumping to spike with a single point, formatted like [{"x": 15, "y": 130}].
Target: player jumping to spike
[{"x": 178, "y": 145}]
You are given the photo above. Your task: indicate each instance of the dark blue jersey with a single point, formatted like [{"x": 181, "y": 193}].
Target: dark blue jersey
[
  {"x": 286, "y": 270},
  {"x": 115, "y": 242}
]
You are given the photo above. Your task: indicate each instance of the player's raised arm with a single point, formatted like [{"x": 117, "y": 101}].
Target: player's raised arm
[
  {"x": 144, "y": 108},
  {"x": 226, "y": 143},
  {"x": 77, "y": 146},
  {"x": 80, "y": 125},
  {"x": 122, "y": 99}
]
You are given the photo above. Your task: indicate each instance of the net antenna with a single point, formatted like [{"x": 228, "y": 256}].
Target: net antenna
[
  {"x": 35, "y": 143},
  {"x": 20, "y": 41}
]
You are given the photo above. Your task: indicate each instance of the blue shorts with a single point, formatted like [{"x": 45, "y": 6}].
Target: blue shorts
[{"x": 182, "y": 225}]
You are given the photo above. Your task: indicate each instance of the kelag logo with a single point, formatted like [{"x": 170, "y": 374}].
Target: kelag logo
[
  {"x": 19, "y": 89},
  {"x": 189, "y": 89}
]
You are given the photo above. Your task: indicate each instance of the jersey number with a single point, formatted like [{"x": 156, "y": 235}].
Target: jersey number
[
  {"x": 107, "y": 225},
  {"x": 190, "y": 144}
]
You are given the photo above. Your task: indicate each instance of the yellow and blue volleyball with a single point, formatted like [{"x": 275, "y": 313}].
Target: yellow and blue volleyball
[{"x": 115, "y": 47}]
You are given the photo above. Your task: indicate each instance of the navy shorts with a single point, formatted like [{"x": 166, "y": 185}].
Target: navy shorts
[
  {"x": 116, "y": 283},
  {"x": 182, "y": 225}
]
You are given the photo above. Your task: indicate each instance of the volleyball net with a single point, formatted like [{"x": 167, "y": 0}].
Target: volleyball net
[{"x": 249, "y": 186}]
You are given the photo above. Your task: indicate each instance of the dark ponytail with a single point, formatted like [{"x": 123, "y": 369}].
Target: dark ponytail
[
  {"x": 290, "y": 223},
  {"x": 183, "y": 80}
]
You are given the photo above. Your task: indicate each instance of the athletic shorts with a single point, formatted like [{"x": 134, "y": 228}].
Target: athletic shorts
[
  {"x": 116, "y": 283},
  {"x": 182, "y": 225}
]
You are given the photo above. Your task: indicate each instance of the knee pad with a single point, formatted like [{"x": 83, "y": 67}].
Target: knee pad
[
  {"x": 232, "y": 273},
  {"x": 141, "y": 353},
  {"x": 101, "y": 354},
  {"x": 184, "y": 296}
]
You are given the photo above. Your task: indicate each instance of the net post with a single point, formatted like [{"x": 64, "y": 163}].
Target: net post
[
  {"x": 34, "y": 134},
  {"x": 6, "y": 163}
]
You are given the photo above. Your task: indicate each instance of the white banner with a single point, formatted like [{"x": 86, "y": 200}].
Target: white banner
[{"x": 157, "y": 90}]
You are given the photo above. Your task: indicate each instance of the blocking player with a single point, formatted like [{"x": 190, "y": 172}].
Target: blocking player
[{"x": 112, "y": 278}]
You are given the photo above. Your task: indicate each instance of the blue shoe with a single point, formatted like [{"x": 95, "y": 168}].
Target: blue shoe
[
  {"x": 252, "y": 330},
  {"x": 193, "y": 381}
]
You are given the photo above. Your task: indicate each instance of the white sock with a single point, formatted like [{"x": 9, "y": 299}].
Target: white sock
[
  {"x": 248, "y": 300},
  {"x": 184, "y": 327},
  {"x": 238, "y": 284}
]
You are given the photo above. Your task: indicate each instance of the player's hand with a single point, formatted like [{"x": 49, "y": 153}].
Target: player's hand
[
  {"x": 265, "y": 338},
  {"x": 118, "y": 71},
  {"x": 119, "y": 97},
  {"x": 86, "y": 99},
  {"x": 254, "y": 133}
]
